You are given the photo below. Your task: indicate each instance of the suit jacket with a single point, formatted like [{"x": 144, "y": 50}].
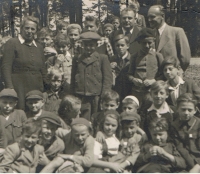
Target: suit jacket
[
  {"x": 173, "y": 42},
  {"x": 140, "y": 20},
  {"x": 134, "y": 45},
  {"x": 17, "y": 159}
]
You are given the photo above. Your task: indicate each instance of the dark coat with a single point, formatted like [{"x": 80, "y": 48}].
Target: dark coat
[
  {"x": 23, "y": 68},
  {"x": 91, "y": 76}
]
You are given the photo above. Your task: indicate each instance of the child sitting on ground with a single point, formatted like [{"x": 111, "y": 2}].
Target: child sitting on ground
[
  {"x": 23, "y": 156},
  {"x": 79, "y": 147},
  {"x": 12, "y": 119},
  {"x": 159, "y": 155}
]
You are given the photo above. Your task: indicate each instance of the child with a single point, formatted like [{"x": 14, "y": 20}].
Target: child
[
  {"x": 159, "y": 155},
  {"x": 52, "y": 144},
  {"x": 62, "y": 27},
  {"x": 69, "y": 108},
  {"x": 107, "y": 30},
  {"x": 130, "y": 104},
  {"x": 139, "y": 19},
  {"x": 109, "y": 101},
  {"x": 120, "y": 66},
  {"x": 35, "y": 102},
  {"x": 45, "y": 37},
  {"x": 186, "y": 128},
  {"x": 23, "y": 156},
  {"x": 144, "y": 67},
  {"x": 57, "y": 91},
  {"x": 91, "y": 75},
  {"x": 116, "y": 23},
  {"x": 11, "y": 118},
  {"x": 79, "y": 148},
  {"x": 177, "y": 85}
]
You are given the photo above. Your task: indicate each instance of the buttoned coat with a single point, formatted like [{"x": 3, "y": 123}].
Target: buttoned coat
[
  {"x": 23, "y": 68},
  {"x": 91, "y": 76},
  {"x": 173, "y": 42},
  {"x": 17, "y": 159}
]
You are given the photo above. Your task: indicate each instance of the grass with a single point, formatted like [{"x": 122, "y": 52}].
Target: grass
[{"x": 193, "y": 72}]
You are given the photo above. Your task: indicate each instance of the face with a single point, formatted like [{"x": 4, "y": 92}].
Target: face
[
  {"x": 45, "y": 41},
  {"x": 110, "y": 126},
  {"x": 186, "y": 110},
  {"x": 28, "y": 30},
  {"x": 34, "y": 105},
  {"x": 110, "y": 105},
  {"x": 170, "y": 72},
  {"x": 147, "y": 44},
  {"x": 89, "y": 46},
  {"x": 91, "y": 26},
  {"x": 80, "y": 133},
  {"x": 62, "y": 49},
  {"x": 108, "y": 31},
  {"x": 63, "y": 30},
  {"x": 121, "y": 47},
  {"x": 56, "y": 83},
  {"x": 128, "y": 20},
  {"x": 159, "y": 97},
  {"x": 159, "y": 137},
  {"x": 128, "y": 107},
  {"x": 30, "y": 140},
  {"x": 48, "y": 130},
  {"x": 116, "y": 23},
  {"x": 130, "y": 129},
  {"x": 155, "y": 18},
  {"x": 7, "y": 104},
  {"x": 74, "y": 35}
]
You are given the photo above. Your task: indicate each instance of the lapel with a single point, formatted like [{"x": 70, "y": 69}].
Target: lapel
[
  {"x": 94, "y": 57},
  {"x": 10, "y": 120},
  {"x": 134, "y": 34},
  {"x": 173, "y": 98},
  {"x": 164, "y": 38},
  {"x": 182, "y": 88}
]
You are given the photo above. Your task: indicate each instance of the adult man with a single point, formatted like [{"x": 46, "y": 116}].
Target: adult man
[
  {"x": 129, "y": 28},
  {"x": 170, "y": 41}
]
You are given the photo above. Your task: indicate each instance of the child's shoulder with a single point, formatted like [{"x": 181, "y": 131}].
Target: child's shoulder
[{"x": 18, "y": 113}]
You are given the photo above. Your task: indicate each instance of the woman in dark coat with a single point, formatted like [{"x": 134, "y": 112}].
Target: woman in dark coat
[{"x": 23, "y": 65}]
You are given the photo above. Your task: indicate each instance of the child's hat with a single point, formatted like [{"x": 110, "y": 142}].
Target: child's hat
[
  {"x": 133, "y": 98},
  {"x": 89, "y": 35},
  {"x": 34, "y": 94},
  {"x": 144, "y": 33},
  {"x": 8, "y": 93},
  {"x": 131, "y": 116},
  {"x": 48, "y": 116},
  {"x": 81, "y": 121}
]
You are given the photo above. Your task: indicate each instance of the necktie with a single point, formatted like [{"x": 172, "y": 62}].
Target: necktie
[
  {"x": 157, "y": 39},
  {"x": 128, "y": 34}
]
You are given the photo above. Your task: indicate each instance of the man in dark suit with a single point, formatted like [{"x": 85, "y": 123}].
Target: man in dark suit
[
  {"x": 170, "y": 41},
  {"x": 129, "y": 28}
]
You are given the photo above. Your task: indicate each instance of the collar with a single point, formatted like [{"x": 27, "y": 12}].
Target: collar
[
  {"x": 161, "y": 29},
  {"x": 162, "y": 110},
  {"x": 21, "y": 39},
  {"x": 180, "y": 82},
  {"x": 37, "y": 115},
  {"x": 124, "y": 31},
  {"x": 125, "y": 56},
  {"x": 191, "y": 122}
]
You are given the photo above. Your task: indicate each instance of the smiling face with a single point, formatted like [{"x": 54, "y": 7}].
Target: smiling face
[
  {"x": 80, "y": 133},
  {"x": 48, "y": 130},
  {"x": 159, "y": 97},
  {"x": 28, "y": 30},
  {"x": 30, "y": 139},
  {"x": 7, "y": 104},
  {"x": 110, "y": 126},
  {"x": 127, "y": 19},
  {"x": 159, "y": 137},
  {"x": 121, "y": 47},
  {"x": 129, "y": 128}
]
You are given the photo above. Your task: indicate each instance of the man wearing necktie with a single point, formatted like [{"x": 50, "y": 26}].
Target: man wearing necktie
[{"x": 170, "y": 41}]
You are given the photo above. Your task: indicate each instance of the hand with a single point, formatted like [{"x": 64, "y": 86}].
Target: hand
[
  {"x": 116, "y": 167},
  {"x": 140, "y": 131},
  {"x": 160, "y": 151},
  {"x": 113, "y": 65},
  {"x": 43, "y": 160},
  {"x": 100, "y": 137},
  {"x": 137, "y": 82},
  {"x": 148, "y": 82},
  {"x": 153, "y": 151}
]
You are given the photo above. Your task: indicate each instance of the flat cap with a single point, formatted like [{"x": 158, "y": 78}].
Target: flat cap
[
  {"x": 133, "y": 98},
  {"x": 8, "y": 93},
  {"x": 48, "y": 116},
  {"x": 34, "y": 94},
  {"x": 82, "y": 121},
  {"x": 132, "y": 116},
  {"x": 144, "y": 33},
  {"x": 90, "y": 36}
]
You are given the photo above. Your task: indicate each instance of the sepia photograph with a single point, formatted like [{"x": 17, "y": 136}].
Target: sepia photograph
[{"x": 99, "y": 86}]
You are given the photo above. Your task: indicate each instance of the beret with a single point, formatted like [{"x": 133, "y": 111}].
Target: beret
[
  {"x": 133, "y": 98},
  {"x": 132, "y": 116},
  {"x": 144, "y": 33},
  {"x": 48, "y": 116},
  {"x": 8, "y": 93},
  {"x": 81, "y": 121},
  {"x": 34, "y": 94},
  {"x": 120, "y": 36},
  {"x": 90, "y": 36},
  {"x": 111, "y": 112},
  {"x": 108, "y": 25}
]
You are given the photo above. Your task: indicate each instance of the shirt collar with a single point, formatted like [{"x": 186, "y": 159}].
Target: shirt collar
[
  {"x": 180, "y": 82},
  {"x": 124, "y": 31},
  {"x": 161, "y": 29},
  {"x": 125, "y": 56},
  {"x": 21, "y": 39},
  {"x": 162, "y": 110}
]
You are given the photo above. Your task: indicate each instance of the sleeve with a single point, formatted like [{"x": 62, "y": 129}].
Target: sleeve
[
  {"x": 98, "y": 150},
  {"x": 7, "y": 63},
  {"x": 141, "y": 160},
  {"x": 183, "y": 49},
  {"x": 159, "y": 74},
  {"x": 196, "y": 91},
  {"x": 43, "y": 68},
  {"x": 3, "y": 140},
  {"x": 131, "y": 70},
  {"x": 107, "y": 74},
  {"x": 88, "y": 157},
  {"x": 23, "y": 117},
  {"x": 61, "y": 133},
  {"x": 73, "y": 74}
]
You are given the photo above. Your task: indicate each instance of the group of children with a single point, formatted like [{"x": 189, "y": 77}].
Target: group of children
[{"x": 103, "y": 110}]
